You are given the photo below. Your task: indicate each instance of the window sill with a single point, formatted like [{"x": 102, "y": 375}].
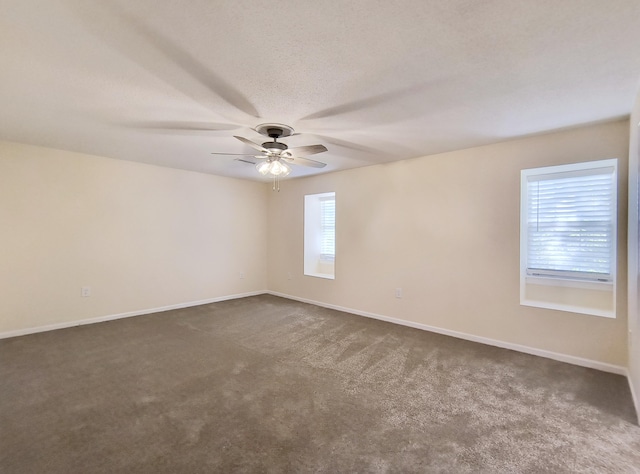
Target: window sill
[
  {"x": 575, "y": 296},
  {"x": 326, "y": 276},
  {"x": 570, "y": 308}
]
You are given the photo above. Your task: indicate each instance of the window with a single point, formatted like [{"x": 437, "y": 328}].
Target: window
[
  {"x": 568, "y": 226},
  {"x": 320, "y": 235},
  {"x": 328, "y": 228}
]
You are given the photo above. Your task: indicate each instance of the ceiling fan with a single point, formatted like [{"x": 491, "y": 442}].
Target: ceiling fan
[{"x": 277, "y": 155}]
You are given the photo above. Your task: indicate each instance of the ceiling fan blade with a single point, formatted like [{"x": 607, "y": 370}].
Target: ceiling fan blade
[
  {"x": 232, "y": 154},
  {"x": 245, "y": 161},
  {"x": 346, "y": 144},
  {"x": 306, "y": 150},
  {"x": 251, "y": 144},
  {"x": 304, "y": 162}
]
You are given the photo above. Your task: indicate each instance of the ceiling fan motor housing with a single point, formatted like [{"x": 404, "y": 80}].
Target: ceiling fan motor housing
[{"x": 275, "y": 146}]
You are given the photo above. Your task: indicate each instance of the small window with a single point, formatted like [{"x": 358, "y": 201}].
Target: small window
[
  {"x": 320, "y": 235},
  {"x": 568, "y": 230}
]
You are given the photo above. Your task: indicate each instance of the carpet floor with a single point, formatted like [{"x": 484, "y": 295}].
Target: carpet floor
[{"x": 265, "y": 384}]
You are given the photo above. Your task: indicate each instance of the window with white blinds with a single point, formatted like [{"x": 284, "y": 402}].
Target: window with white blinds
[
  {"x": 328, "y": 228},
  {"x": 569, "y": 221},
  {"x": 320, "y": 235}
]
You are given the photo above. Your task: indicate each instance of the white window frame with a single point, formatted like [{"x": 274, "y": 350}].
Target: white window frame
[
  {"x": 316, "y": 263},
  {"x": 556, "y": 278}
]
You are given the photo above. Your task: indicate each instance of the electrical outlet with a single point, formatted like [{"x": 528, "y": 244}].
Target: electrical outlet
[
  {"x": 289, "y": 276},
  {"x": 242, "y": 275},
  {"x": 398, "y": 292},
  {"x": 85, "y": 292}
]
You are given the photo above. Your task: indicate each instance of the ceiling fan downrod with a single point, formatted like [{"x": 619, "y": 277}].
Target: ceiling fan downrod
[{"x": 275, "y": 146}]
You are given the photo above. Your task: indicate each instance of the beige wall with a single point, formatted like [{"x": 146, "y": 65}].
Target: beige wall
[
  {"x": 141, "y": 236},
  {"x": 445, "y": 228},
  {"x": 634, "y": 243}
]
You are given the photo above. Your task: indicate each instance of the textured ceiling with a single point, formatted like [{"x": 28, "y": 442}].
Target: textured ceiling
[{"x": 167, "y": 82}]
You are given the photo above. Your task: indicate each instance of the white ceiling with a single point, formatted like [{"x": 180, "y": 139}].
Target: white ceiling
[{"x": 167, "y": 81}]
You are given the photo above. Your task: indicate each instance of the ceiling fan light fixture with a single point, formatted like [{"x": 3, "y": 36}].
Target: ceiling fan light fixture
[
  {"x": 278, "y": 168},
  {"x": 263, "y": 168},
  {"x": 273, "y": 168}
]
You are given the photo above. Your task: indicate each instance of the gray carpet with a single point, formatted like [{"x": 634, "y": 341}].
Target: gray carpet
[{"x": 265, "y": 384}]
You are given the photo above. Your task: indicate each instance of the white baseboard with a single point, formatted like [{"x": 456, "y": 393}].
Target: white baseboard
[
  {"x": 592, "y": 364},
  {"x": 111, "y": 317},
  {"x": 616, "y": 369}
]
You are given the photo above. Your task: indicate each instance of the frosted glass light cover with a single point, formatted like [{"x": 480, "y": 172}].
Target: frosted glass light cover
[
  {"x": 263, "y": 167},
  {"x": 278, "y": 168},
  {"x": 273, "y": 168}
]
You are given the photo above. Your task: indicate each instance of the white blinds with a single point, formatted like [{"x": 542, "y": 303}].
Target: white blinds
[
  {"x": 570, "y": 224},
  {"x": 328, "y": 226}
]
